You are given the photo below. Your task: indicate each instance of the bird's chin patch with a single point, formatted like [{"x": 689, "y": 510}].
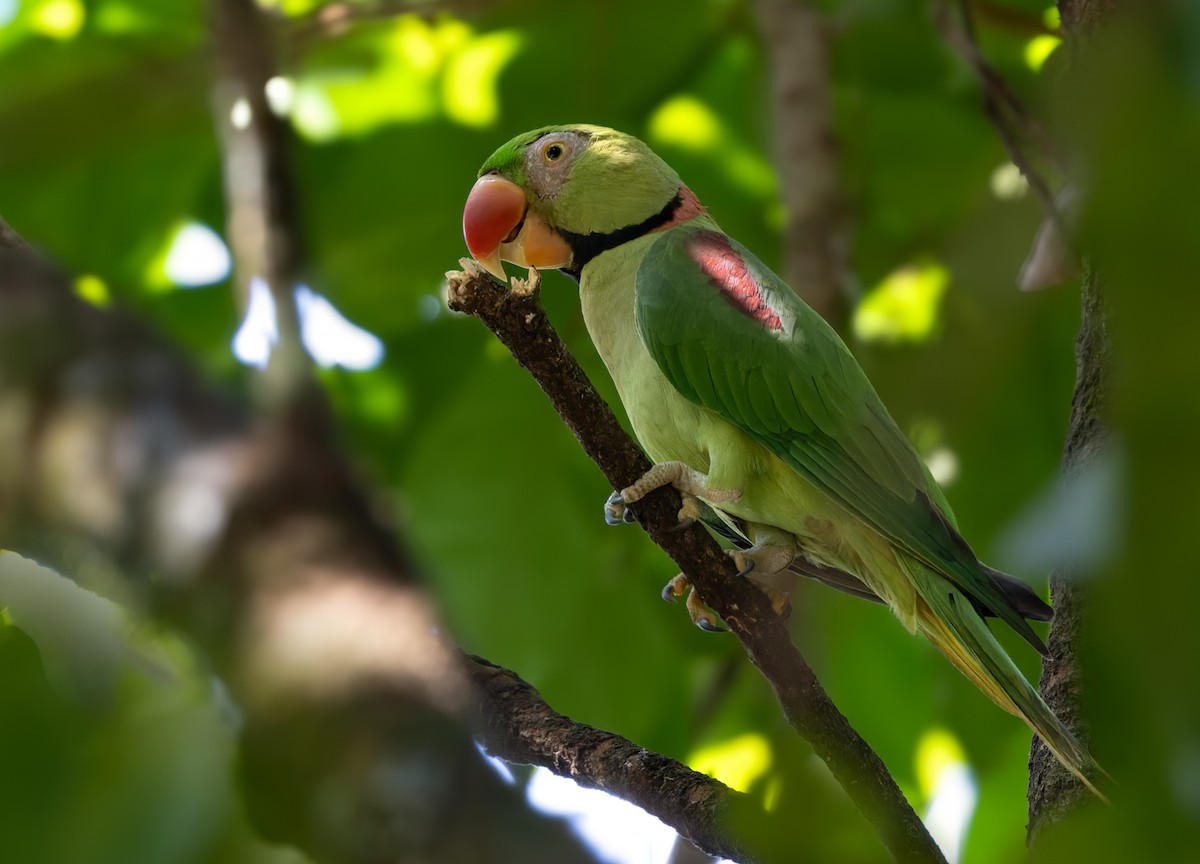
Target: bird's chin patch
[{"x": 536, "y": 245}]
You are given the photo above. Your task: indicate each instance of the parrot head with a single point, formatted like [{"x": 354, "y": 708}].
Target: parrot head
[{"x": 556, "y": 197}]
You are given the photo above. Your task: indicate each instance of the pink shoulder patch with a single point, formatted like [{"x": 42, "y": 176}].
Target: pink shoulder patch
[
  {"x": 727, "y": 271},
  {"x": 689, "y": 208}
]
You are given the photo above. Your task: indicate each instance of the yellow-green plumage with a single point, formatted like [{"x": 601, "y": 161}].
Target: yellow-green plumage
[{"x": 722, "y": 367}]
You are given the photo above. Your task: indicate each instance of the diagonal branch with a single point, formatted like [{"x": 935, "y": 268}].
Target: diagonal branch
[
  {"x": 515, "y": 724},
  {"x": 519, "y": 321}
]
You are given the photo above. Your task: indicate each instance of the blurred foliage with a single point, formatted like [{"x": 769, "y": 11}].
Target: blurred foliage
[{"x": 108, "y": 148}]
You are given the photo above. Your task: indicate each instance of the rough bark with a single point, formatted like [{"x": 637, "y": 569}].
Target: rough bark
[
  {"x": 1053, "y": 791},
  {"x": 1080, "y": 17},
  {"x": 517, "y": 318},
  {"x": 519, "y": 726}
]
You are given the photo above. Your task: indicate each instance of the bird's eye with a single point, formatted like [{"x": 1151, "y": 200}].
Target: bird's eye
[{"x": 554, "y": 152}]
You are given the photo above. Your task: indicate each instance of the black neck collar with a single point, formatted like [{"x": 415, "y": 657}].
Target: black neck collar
[{"x": 585, "y": 247}]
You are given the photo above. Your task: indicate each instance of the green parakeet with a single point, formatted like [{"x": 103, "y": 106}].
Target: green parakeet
[{"x": 747, "y": 401}]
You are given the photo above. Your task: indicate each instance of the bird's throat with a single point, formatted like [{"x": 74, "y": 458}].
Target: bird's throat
[{"x": 585, "y": 247}]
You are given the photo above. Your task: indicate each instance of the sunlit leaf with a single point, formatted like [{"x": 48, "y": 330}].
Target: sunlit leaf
[
  {"x": 120, "y": 18},
  {"x": 737, "y": 763},
  {"x": 904, "y": 306},
  {"x": 1039, "y": 49},
  {"x": 687, "y": 123},
  {"x": 419, "y": 69},
  {"x": 93, "y": 289},
  {"x": 470, "y": 85},
  {"x": 58, "y": 19}
]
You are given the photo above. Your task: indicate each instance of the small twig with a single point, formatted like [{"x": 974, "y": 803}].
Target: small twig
[
  {"x": 10, "y": 239},
  {"x": 520, "y": 322},
  {"x": 515, "y": 724},
  {"x": 997, "y": 88},
  {"x": 1013, "y": 122}
]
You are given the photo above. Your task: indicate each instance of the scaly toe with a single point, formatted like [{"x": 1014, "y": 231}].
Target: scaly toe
[
  {"x": 701, "y": 615},
  {"x": 689, "y": 513},
  {"x": 744, "y": 564},
  {"x": 674, "y": 589},
  {"x": 780, "y": 602}
]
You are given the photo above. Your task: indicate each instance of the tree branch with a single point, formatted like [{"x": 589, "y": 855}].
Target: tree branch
[
  {"x": 1015, "y": 125},
  {"x": 518, "y": 320},
  {"x": 515, "y": 724},
  {"x": 1053, "y": 791}
]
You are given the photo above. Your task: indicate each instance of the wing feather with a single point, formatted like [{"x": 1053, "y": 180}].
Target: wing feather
[{"x": 731, "y": 336}]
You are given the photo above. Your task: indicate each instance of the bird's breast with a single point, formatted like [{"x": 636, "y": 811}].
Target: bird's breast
[{"x": 667, "y": 425}]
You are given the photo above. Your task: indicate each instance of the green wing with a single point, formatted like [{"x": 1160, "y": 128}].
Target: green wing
[{"x": 731, "y": 336}]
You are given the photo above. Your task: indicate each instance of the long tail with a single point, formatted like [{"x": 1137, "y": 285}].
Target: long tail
[{"x": 951, "y": 623}]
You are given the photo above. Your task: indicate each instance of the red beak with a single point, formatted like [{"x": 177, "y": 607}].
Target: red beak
[{"x": 497, "y": 224}]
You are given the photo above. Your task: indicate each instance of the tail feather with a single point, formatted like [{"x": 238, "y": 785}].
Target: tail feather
[
  {"x": 951, "y": 623},
  {"x": 1021, "y": 596}
]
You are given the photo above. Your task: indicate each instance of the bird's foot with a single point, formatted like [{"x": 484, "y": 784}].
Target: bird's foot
[
  {"x": 615, "y": 511},
  {"x": 701, "y": 615},
  {"x": 689, "y": 513},
  {"x": 781, "y": 602},
  {"x": 763, "y": 560},
  {"x": 766, "y": 563},
  {"x": 689, "y": 483}
]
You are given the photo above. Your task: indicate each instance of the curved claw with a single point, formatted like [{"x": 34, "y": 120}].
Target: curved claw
[
  {"x": 615, "y": 511},
  {"x": 674, "y": 589},
  {"x": 748, "y": 568},
  {"x": 682, "y": 525},
  {"x": 710, "y": 626}
]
